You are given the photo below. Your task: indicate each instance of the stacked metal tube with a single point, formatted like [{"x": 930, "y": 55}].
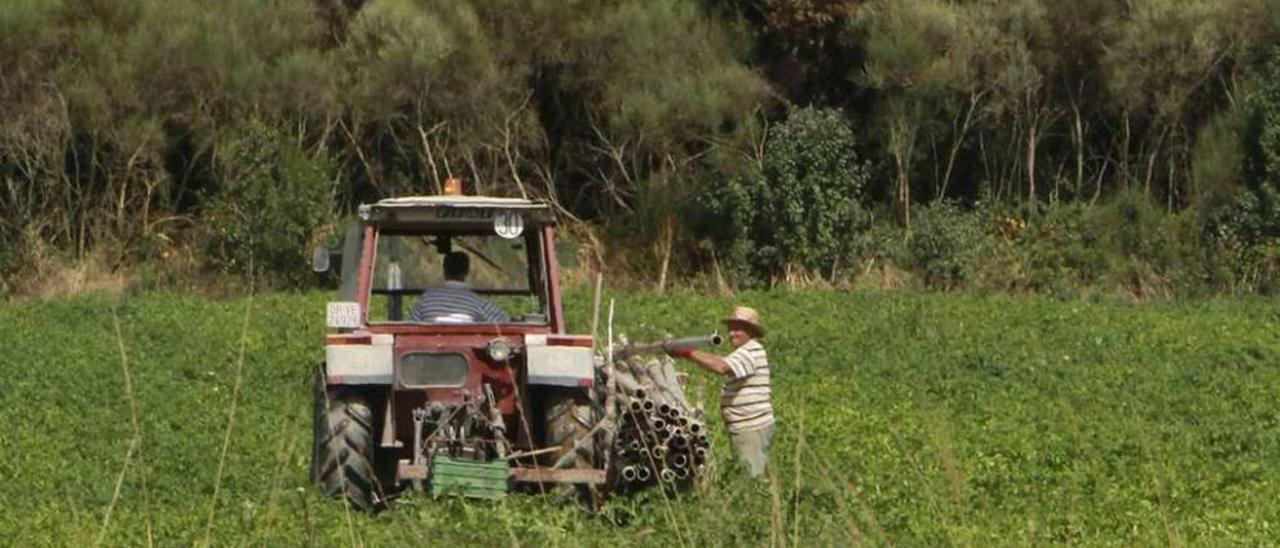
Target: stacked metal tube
[{"x": 660, "y": 439}]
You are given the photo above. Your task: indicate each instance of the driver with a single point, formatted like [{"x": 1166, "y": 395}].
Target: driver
[{"x": 455, "y": 302}]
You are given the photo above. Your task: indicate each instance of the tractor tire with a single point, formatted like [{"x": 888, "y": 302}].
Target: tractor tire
[
  {"x": 342, "y": 457},
  {"x": 568, "y": 416}
]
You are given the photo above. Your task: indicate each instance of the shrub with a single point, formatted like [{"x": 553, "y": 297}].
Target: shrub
[
  {"x": 1150, "y": 249},
  {"x": 796, "y": 215},
  {"x": 10, "y": 254},
  {"x": 1241, "y": 234},
  {"x": 271, "y": 206},
  {"x": 883, "y": 242},
  {"x": 1242, "y": 240},
  {"x": 1063, "y": 252},
  {"x": 944, "y": 244}
]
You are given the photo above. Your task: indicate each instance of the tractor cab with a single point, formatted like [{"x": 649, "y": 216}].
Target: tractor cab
[{"x": 507, "y": 244}]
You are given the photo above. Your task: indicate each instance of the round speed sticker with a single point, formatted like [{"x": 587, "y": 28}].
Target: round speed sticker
[{"x": 508, "y": 224}]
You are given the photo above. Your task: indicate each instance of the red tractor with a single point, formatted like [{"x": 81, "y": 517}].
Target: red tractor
[{"x": 411, "y": 394}]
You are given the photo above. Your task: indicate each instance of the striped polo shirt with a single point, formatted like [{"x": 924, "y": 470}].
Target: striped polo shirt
[
  {"x": 454, "y": 302},
  {"x": 744, "y": 401}
]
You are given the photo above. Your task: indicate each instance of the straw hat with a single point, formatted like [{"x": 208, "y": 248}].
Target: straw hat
[{"x": 748, "y": 317}]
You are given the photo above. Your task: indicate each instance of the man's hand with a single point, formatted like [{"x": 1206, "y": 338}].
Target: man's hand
[{"x": 680, "y": 353}]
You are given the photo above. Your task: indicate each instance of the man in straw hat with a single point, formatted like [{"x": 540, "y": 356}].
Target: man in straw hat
[{"x": 744, "y": 401}]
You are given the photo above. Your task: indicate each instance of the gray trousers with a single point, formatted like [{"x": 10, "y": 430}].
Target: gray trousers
[{"x": 752, "y": 448}]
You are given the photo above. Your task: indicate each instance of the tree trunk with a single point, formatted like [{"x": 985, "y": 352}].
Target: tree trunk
[
  {"x": 1077, "y": 139},
  {"x": 1031, "y": 166},
  {"x": 963, "y": 130},
  {"x": 900, "y": 145},
  {"x": 668, "y": 240}
]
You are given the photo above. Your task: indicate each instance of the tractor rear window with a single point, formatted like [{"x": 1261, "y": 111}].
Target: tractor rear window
[{"x": 461, "y": 278}]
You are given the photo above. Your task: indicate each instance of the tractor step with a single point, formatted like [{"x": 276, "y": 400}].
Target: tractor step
[
  {"x": 589, "y": 476},
  {"x": 408, "y": 472}
]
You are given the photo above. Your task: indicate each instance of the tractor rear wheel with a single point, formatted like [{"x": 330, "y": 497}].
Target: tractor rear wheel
[
  {"x": 568, "y": 417},
  {"x": 342, "y": 458}
]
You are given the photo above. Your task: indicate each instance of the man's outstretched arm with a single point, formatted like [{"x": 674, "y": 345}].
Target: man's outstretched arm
[{"x": 708, "y": 361}]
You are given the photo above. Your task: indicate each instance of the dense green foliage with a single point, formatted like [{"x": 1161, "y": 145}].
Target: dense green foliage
[
  {"x": 274, "y": 197},
  {"x": 942, "y": 244},
  {"x": 1243, "y": 234},
  {"x": 905, "y": 419},
  {"x": 126, "y": 123},
  {"x": 800, "y": 209}
]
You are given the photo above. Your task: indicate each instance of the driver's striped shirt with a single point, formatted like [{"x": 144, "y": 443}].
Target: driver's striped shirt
[{"x": 455, "y": 302}]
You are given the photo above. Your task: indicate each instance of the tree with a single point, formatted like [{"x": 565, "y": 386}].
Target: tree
[
  {"x": 1170, "y": 64},
  {"x": 796, "y": 217}
]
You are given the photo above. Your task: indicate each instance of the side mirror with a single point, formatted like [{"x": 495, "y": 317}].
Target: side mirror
[{"x": 320, "y": 259}]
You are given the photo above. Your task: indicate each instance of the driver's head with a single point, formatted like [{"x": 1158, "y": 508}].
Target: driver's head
[{"x": 456, "y": 266}]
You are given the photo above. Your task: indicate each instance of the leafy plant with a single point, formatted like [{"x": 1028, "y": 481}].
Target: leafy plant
[
  {"x": 274, "y": 200},
  {"x": 796, "y": 216},
  {"x": 945, "y": 243},
  {"x": 1242, "y": 233}
]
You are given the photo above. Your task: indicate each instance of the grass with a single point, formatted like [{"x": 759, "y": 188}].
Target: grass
[{"x": 903, "y": 419}]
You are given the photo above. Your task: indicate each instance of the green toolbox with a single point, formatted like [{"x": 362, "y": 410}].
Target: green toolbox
[{"x": 477, "y": 479}]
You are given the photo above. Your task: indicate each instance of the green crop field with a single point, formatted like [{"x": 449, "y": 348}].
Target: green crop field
[{"x": 904, "y": 419}]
